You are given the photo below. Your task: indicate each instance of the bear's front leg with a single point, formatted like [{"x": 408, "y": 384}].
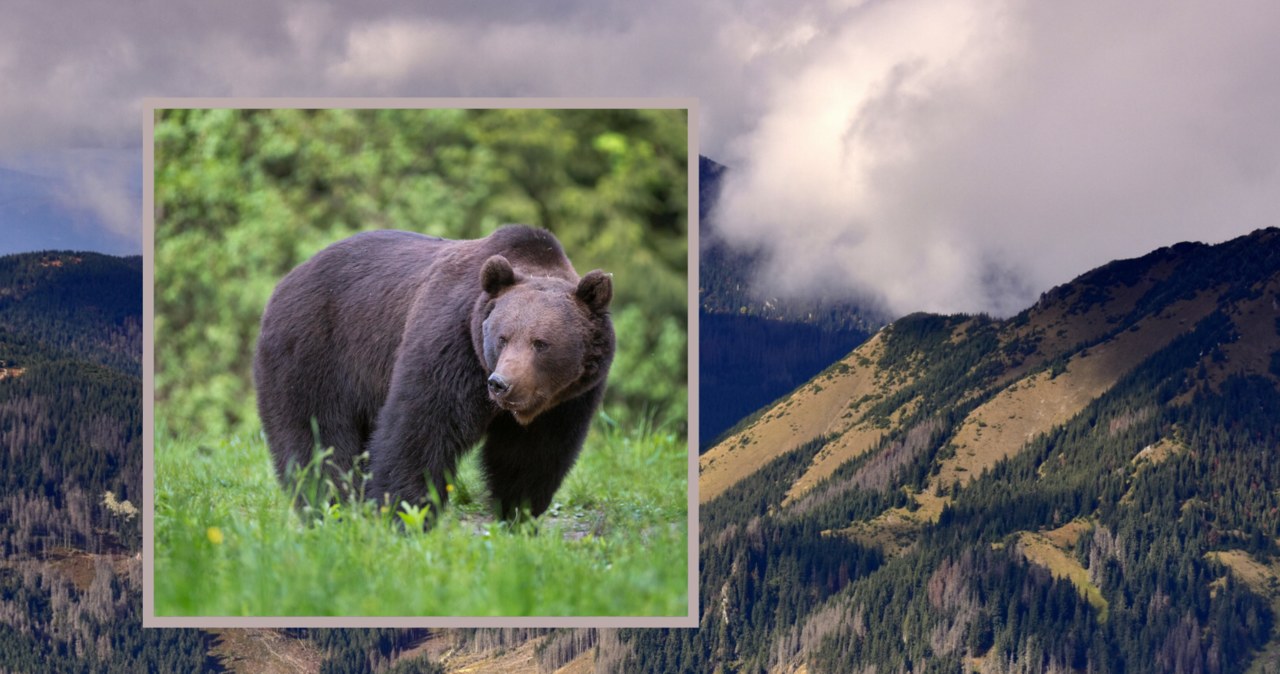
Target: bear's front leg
[
  {"x": 416, "y": 445},
  {"x": 524, "y": 465}
]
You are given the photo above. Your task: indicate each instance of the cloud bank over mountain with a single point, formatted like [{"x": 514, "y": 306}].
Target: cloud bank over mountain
[
  {"x": 967, "y": 156},
  {"x": 943, "y": 156}
]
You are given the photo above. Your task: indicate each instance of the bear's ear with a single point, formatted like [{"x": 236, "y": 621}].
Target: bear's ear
[
  {"x": 596, "y": 290},
  {"x": 496, "y": 275}
]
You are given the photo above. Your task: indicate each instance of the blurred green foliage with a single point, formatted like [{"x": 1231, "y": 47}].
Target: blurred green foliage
[{"x": 243, "y": 196}]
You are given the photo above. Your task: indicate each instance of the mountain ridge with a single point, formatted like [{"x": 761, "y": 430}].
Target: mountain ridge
[
  {"x": 1103, "y": 305},
  {"x": 1090, "y": 485},
  {"x": 1085, "y": 485}
]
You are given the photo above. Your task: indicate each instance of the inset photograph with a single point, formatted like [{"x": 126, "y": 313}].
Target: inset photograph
[{"x": 421, "y": 362}]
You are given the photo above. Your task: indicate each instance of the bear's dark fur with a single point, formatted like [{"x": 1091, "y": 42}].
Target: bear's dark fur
[{"x": 416, "y": 348}]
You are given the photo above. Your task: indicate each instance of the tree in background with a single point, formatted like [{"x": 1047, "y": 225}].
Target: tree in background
[{"x": 243, "y": 196}]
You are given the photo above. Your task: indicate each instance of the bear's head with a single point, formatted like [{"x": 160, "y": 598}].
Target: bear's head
[{"x": 544, "y": 340}]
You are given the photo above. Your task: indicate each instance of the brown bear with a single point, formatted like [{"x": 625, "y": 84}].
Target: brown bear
[{"x": 416, "y": 348}]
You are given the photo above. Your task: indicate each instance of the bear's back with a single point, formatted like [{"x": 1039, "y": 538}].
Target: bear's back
[{"x": 531, "y": 251}]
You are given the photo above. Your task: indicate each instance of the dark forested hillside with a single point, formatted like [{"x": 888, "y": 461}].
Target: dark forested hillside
[
  {"x": 70, "y": 434},
  {"x": 71, "y": 466},
  {"x": 70, "y": 399},
  {"x": 82, "y": 305}
]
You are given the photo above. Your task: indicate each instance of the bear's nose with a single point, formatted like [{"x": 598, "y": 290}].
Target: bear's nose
[{"x": 497, "y": 384}]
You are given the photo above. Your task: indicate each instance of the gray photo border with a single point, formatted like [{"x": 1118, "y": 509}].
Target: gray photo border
[{"x": 149, "y": 107}]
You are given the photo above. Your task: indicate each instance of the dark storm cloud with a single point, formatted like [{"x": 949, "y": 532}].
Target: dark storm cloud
[{"x": 944, "y": 155}]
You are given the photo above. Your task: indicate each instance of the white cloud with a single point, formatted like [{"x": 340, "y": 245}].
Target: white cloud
[
  {"x": 865, "y": 105},
  {"x": 388, "y": 52},
  {"x": 966, "y": 156},
  {"x": 937, "y": 155}
]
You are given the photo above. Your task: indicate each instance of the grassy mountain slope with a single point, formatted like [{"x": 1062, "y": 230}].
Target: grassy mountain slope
[
  {"x": 1088, "y": 485},
  {"x": 828, "y": 405},
  {"x": 1012, "y": 379}
]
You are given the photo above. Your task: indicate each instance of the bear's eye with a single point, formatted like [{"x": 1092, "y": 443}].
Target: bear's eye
[
  {"x": 539, "y": 345},
  {"x": 502, "y": 341}
]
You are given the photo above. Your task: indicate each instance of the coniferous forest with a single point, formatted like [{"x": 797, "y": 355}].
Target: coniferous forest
[
  {"x": 71, "y": 465},
  {"x": 1138, "y": 531}
]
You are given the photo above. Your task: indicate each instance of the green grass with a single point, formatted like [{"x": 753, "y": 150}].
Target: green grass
[{"x": 614, "y": 543}]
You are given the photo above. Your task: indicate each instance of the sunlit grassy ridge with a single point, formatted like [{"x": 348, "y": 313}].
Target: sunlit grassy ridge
[{"x": 614, "y": 542}]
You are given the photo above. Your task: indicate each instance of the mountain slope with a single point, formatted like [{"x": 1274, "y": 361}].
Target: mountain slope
[
  {"x": 70, "y": 432},
  {"x": 70, "y": 405},
  {"x": 1091, "y": 484},
  {"x": 1029, "y": 373}
]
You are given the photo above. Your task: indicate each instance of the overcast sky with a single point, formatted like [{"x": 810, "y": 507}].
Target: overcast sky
[{"x": 945, "y": 156}]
